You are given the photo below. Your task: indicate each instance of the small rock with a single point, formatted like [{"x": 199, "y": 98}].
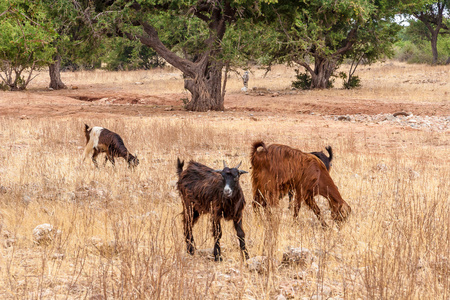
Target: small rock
[
  {"x": 9, "y": 242},
  {"x": 413, "y": 174},
  {"x": 260, "y": 264},
  {"x": 344, "y": 118},
  {"x": 297, "y": 256},
  {"x": 138, "y": 83},
  {"x": 58, "y": 256},
  {"x": 401, "y": 113},
  {"x": 97, "y": 297},
  {"x": 280, "y": 297},
  {"x": 3, "y": 190},
  {"x": 43, "y": 234}
]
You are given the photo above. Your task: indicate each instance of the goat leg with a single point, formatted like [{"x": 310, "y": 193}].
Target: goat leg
[
  {"x": 189, "y": 220},
  {"x": 94, "y": 157},
  {"x": 313, "y": 205},
  {"x": 111, "y": 159},
  {"x": 217, "y": 233},
  {"x": 241, "y": 236}
]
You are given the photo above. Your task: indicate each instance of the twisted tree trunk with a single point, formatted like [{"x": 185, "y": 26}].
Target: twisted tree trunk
[
  {"x": 206, "y": 89},
  {"x": 54, "y": 70},
  {"x": 204, "y": 75}
]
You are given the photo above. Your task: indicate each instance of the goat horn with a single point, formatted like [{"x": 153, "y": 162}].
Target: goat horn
[
  {"x": 237, "y": 167},
  {"x": 225, "y": 164}
]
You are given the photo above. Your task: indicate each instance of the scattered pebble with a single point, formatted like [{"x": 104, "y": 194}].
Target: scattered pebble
[{"x": 431, "y": 123}]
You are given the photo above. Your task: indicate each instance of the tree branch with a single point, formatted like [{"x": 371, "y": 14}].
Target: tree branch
[{"x": 152, "y": 40}]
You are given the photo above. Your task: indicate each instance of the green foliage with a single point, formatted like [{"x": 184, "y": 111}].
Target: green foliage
[
  {"x": 327, "y": 32},
  {"x": 414, "y": 46},
  {"x": 351, "y": 82},
  {"x": 24, "y": 42},
  {"x": 303, "y": 80},
  {"x": 122, "y": 54},
  {"x": 420, "y": 52}
]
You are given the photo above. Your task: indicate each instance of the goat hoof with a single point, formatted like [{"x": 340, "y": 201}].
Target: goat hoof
[
  {"x": 218, "y": 258},
  {"x": 190, "y": 250}
]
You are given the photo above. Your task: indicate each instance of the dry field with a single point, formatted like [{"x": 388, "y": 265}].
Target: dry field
[{"x": 118, "y": 232}]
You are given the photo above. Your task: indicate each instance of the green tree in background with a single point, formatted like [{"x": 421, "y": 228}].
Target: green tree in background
[
  {"x": 190, "y": 35},
  {"x": 24, "y": 42},
  {"x": 323, "y": 33},
  {"x": 435, "y": 16},
  {"x": 78, "y": 38}
]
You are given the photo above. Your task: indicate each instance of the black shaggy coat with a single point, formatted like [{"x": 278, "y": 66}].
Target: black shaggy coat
[{"x": 202, "y": 192}]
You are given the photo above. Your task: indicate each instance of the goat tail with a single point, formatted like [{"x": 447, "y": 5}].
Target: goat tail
[
  {"x": 180, "y": 165},
  {"x": 256, "y": 145},
  {"x": 330, "y": 152}
]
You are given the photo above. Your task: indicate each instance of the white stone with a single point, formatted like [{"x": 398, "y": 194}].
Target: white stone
[{"x": 43, "y": 234}]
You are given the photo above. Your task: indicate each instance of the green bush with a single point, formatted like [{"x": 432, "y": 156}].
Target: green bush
[
  {"x": 420, "y": 52},
  {"x": 303, "y": 80},
  {"x": 351, "y": 83}
]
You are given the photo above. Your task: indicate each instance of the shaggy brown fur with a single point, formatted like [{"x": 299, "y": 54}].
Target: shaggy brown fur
[
  {"x": 110, "y": 143},
  {"x": 277, "y": 169},
  {"x": 217, "y": 192}
]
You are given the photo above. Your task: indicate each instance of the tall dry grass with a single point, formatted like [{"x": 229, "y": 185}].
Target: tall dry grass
[{"x": 121, "y": 232}]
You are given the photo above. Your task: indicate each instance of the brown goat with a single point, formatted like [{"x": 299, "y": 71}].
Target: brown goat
[
  {"x": 277, "y": 169},
  {"x": 99, "y": 139},
  {"x": 217, "y": 192}
]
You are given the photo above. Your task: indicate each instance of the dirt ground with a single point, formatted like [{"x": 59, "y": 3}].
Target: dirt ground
[
  {"x": 387, "y": 88},
  {"x": 87, "y": 102}
]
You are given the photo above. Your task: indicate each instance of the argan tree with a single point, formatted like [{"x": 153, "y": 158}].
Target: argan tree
[
  {"x": 319, "y": 34},
  {"x": 435, "y": 15},
  {"x": 25, "y": 37},
  {"x": 187, "y": 34}
]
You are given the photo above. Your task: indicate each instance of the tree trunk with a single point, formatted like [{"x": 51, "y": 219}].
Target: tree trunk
[
  {"x": 206, "y": 89},
  {"x": 55, "y": 74},
  {"x": 434, "y": 38},
  {"x": 323, "y": 69}
]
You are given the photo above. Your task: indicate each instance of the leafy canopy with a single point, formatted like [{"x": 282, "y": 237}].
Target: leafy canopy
[{"x": 24, "y": 41}]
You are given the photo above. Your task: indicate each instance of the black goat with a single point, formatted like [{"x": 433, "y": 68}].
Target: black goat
[
  {"x": 325, "y": 159},
  {"x": 218, "y": 192},
  {"x": 99, "y": 139}
]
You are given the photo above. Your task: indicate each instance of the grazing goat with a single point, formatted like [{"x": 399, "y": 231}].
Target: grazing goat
[
  {"x": 99, "y": 139},
  {"x": 277, "y": 169},
  {"x": 218, "y": 192},
  {"x": 326, "y": 161}
]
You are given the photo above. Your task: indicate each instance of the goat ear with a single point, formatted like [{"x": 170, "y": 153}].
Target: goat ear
[
  {"x": 237, "y": 167},
  {"x": 225, "y": 165},
  {"x": 242, "y": 172},
  {"x": 86, "y": 127}
]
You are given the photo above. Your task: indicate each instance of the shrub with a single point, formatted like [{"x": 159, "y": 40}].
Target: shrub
[
  {"x": 303, "y": 80},
  {"x": 351, "y": 83}
]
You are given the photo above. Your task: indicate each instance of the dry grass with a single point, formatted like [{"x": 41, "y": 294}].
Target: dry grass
[
  {"x": 121, "y": 232},
  {"x": 382, "y": 81}
]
